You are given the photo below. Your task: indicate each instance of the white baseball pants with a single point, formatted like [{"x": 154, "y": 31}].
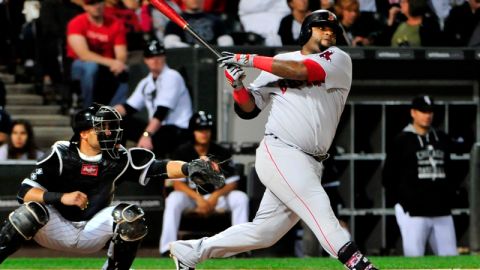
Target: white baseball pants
[
  {"x": 416, "y": 231},
  {"x": 294, "y": 191}
]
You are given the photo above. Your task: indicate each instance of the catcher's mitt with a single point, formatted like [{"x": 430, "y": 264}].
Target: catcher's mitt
[{"x": 203, "y": 172}]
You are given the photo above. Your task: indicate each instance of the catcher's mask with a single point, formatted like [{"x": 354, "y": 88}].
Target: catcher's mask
[
  {"x": 105, "y": 120},
  {"x": 318, "y": 18}
]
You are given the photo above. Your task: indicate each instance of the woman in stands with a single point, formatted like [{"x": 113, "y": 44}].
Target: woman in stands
[{"x": 21, "y": 144}]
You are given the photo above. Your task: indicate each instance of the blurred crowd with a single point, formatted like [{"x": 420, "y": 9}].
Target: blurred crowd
[{"x": 36, "y": 30}]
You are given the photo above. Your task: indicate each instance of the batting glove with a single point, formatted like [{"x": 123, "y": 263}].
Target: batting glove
[
  {"x": 235, "y": 76},
  {"x": 241, "y": 60}
]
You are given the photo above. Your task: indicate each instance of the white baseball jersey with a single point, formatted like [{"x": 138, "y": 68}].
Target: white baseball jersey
[
  {"x": 306, "y": 116},
  {"x": 168, "y": 90}
]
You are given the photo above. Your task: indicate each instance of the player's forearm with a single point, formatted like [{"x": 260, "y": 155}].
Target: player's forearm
[
  {"x": 34, "y": 195},
  {"x": 246, "y": 103},
  {"x": 293, "y": 70},
  {"x": 176, "y": 169}
]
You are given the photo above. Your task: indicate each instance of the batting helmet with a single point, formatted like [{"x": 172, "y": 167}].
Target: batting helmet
[
  {"x": 200, "y": 120},
  {"x": 153, "y": 48},
  {"x": 317, "y": 18},
  {"x": 106, "y": 122}
]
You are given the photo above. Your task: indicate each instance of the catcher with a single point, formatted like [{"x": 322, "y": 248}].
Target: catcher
[{"x": 66, "y": 200}]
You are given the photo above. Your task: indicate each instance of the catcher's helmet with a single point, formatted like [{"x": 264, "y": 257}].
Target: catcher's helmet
[
  {"x": 200, "y": 120},
  {"x": 317, "y": 18},
  {"x": 153, "y": 48},
  {"x": 105, "y": 120}
]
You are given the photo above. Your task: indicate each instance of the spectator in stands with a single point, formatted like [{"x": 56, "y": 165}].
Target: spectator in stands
[
  {"x": 412, "y": 24},
  {"x": 165, "y": 96},
  {"x": 210, "y": 6},
  {"x": 263, "y": 17},
  {"x": 321, "y": 4},
  {"x": 348, "y": 12},
  {"x": 21, "y": 144},
  {"x": 29, "y": 37},
  {"x": 5, "y": 120},
  {"x": 461, "y": 23},
  {"x": 153, "y": 21},
  {"x": 207, "y": 25},
  {"x": 418, "y": 180},
  {"x": 124, "y": 10},
  {"x": 54, "y": 17},
  {"x": 291, "y": 24},
  {"x": 202, "y": 201},
  {"x": 97, "y": 46}
]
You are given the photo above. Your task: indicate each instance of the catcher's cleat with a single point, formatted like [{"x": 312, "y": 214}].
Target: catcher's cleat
[{"x": 179, "y": 264}]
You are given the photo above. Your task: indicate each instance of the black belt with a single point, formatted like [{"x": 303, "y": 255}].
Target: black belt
[{"x": 318, "y": 158}]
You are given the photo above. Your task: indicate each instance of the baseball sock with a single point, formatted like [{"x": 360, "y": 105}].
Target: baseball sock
[{"x": 353, "y": 259}]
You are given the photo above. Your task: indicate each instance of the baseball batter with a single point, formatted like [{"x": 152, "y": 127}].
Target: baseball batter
[
  {"x": 66, "y": 201},
  {"x": 308, "y": 90}
]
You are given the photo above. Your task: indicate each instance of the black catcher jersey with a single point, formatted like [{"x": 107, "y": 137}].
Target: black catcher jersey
[{"x": 64, "y": 170}]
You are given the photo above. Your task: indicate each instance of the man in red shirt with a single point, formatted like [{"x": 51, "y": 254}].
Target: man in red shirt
[{"x": 97, "y": 42}]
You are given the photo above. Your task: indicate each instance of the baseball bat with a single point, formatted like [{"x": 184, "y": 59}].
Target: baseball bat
[{"x": 164, "y": 8}]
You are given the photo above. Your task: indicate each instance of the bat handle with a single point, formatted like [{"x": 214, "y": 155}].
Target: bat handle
[{"x": 197, "y": 37}]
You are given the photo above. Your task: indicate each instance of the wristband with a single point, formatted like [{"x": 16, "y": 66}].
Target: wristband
[
  {"x": 52, "y": 197},
  {"x": 185, "y": 169},
  {"x": 263, "y": 63},
  {"x": 241, "y": 96}
]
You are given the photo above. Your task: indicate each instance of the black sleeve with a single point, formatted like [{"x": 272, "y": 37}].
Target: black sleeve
[
  {"x": 129, "y": 109},
  {"x": 46, "y": 172},
  {"x": 158, "y": 170},
  {"x": 161, "y": 112},
  {"x": 246, "y": 115}
]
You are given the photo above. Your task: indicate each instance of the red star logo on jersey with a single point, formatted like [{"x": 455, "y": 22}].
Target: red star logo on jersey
[
  {"x": 283, "y": 89},
  {"x": 326, "y": 55}
]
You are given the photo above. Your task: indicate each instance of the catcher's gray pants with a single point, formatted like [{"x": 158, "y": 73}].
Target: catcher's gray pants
[
  {"x": 294, "y": 191},
  {"x": 79, "y": 237}
]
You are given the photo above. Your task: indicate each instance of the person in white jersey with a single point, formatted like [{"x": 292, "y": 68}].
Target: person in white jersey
[
  {"x": 165, "y": 96},
  {"x": 308, "y": 90}
]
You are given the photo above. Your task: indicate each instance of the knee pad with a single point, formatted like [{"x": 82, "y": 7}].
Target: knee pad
[
  {"x": 131, "y": 224},
  {"x": 29, "y": 218}
]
